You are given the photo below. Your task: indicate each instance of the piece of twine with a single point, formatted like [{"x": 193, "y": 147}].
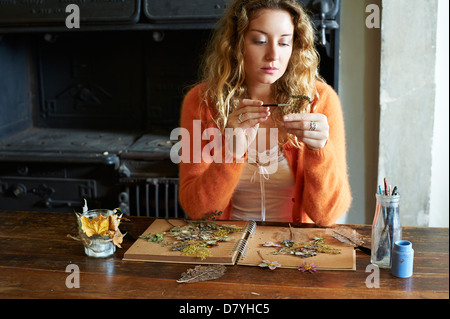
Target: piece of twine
[{"x": 87, "y": 242}]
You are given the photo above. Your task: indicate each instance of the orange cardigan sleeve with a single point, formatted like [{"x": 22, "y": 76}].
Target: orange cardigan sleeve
[
  {"x": 323, "y": 189},
  {"x": 204, "y": 187}
]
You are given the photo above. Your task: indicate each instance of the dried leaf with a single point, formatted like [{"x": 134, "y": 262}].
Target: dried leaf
[
  {"x": 95, "y": 226},
  {"x": 117, "y": 237},
  {"x": 85, "y": 207},
  {"x": 346, "y": 235},
  {"x": 114, "y": 221},
  {"x": 114, "y": 231},
  {"x": 202, "y": 273}
]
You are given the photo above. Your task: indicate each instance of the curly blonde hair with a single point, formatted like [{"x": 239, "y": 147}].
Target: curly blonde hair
[{"x": 223, "y": 67}]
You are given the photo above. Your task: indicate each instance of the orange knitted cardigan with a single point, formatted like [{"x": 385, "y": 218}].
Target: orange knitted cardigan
[{"x": 322, "y": 190}]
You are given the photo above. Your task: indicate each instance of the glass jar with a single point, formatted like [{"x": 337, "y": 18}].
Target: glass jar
[
  {"x": 386, "y": 229},
  {"x": 96, "y": 245}
]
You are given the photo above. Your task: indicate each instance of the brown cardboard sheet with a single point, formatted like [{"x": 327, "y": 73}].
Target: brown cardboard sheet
[
  {"x": 243, "y": 248},
  {"x": 346, "y": 260},
  {"x": 224, "y": 253}
]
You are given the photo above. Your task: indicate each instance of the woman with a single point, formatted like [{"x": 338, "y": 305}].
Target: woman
[{"x": 263, "y": 53}]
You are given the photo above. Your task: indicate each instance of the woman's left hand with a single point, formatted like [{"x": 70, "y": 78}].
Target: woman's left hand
[{"x": 310, "y": 128}]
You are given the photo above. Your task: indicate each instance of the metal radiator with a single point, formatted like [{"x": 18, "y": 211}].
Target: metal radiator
[{"x": 155, "y": 197}]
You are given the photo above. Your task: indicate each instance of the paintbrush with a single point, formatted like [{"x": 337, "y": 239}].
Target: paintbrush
[{"x": 275, "y": 105}]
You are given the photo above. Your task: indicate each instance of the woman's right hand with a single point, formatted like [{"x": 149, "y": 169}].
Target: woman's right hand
[{"x": 244, "y": 121}]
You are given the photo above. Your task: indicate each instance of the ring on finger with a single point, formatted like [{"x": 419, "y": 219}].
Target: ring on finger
[
  {"x": 313, "y": 126},
  {"x": 239, "y": 118}
]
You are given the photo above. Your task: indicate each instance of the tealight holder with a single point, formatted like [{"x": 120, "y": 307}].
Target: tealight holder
[{"x": 96, "y": 246}]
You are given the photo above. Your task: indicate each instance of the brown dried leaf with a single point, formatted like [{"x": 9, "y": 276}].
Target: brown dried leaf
[
  {"x": 117, "y": 237},
  {"x": 346, "y": 235},
  {"x": 202, "y": 273},
  {"x": 114, "y": 221},
  {"x": 95, "y": 226}
]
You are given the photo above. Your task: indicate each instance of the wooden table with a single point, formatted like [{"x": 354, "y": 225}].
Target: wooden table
[{"x": 35, "y": 251}]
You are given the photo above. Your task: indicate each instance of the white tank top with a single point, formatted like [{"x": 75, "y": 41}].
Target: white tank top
[{"x": 265, "y": 193}]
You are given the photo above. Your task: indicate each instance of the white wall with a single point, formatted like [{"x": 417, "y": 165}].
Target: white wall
[
  {"x": 359, "y": 77},
  {"x": 359, "y": 91},
  {"x": 439, "y": 207}
]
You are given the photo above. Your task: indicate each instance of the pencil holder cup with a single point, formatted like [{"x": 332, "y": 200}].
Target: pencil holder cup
[
  {"x": 386, "y": 230},
  {"x": 96, "y": 245}
]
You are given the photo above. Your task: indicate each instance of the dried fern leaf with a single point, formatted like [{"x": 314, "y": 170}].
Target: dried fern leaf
[
  {"x": 202, "y": 273},
  {"x": 346, "y": 235}
]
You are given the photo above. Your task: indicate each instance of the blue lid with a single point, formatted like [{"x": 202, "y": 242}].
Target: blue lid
[{"x": 403, "y": 245}]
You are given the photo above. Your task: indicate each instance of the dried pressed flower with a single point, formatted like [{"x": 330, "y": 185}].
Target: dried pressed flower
[
  {"x": 196, "y": 249},
  {"x": 308, "y": 267},
  {"x": 156, "y": 238},
  {"x": 305, "y": 253},
  {"x": 267, "y": 263},
  {"x": 288, "y": 243},
  {"x": 271, "y": 264},
  {"x": 271, "y": 244}
]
